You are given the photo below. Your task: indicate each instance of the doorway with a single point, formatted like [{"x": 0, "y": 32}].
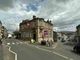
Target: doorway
[{"x": 34, "y": 37}]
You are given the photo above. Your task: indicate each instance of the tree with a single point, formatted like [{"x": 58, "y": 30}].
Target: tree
[{"x": 17, "y": 34}]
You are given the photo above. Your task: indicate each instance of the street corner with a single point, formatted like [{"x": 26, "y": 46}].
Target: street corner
[
  {"x": 7, "y": 54},
  {"x": 54, "y": 45}
]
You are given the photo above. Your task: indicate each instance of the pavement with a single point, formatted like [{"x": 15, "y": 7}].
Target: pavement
[
  {"x": 5, "y": 54},
  {"x": 1, "y": 52}
]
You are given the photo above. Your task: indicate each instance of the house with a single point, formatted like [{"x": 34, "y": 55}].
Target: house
[
  {"x": 62, "y": 36},
  {"x": 66, "y": 35},
  {"x": 3, "y": 31},
  {"x": 55, "y": 36},
  {"x": 37, "y": 29},
  {"x": 78, "y": 33}
]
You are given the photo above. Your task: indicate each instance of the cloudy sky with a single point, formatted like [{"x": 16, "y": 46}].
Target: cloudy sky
[{"x": 65, "y": 14}]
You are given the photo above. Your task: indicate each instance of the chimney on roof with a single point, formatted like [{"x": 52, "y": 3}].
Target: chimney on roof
[
  {"x": 34, "y": 16},
  {"x": 50, "y": 21}
]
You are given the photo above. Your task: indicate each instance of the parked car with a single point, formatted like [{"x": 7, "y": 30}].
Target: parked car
[
  {"x": 62, "y": 40},
  {"x": 43, "y": 42},
  {"x": 76, "y": 48}
]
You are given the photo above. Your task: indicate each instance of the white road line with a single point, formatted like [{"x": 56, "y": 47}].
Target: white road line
[
  {"x": 65, "y": 57},
  {"x": 13, "y": 52},
  {"x": 61, "y": 55},
  {"x": 8, "y": 43},
  {"x": 43, "y": 49},
  {"x": 13, "y": 43},
  {"x": 54, "y": 53},
  {"x": 71, "y": 59}
]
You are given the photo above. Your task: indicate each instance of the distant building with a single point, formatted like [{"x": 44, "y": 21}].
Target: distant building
[
  {"x": 66, "y": 35},
  {"x": 55, "y": 36},
  {"x": 78, "y": 33},
  {"x": 1, "y": 30},
  {"x": 9, "y": 35},
  {"x": 36, "y": 29},
  {"x": 62, "y": 36}
]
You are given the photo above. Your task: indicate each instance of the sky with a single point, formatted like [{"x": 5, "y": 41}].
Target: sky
[{"x": 64, "y": 14}]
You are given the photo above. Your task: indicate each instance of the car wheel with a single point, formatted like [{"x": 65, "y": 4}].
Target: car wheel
[{"x": 74, "y": 49}]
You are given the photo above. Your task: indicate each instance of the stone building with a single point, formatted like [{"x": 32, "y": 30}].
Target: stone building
[
  {"x": 3, "y": 31},
  {"x": 37, "y": 29},
  {"x": 78, "y": 33},
  {"x": 55, "y": 36}
]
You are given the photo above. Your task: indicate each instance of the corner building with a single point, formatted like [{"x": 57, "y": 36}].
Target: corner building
[{"x": 37, "y": 29}]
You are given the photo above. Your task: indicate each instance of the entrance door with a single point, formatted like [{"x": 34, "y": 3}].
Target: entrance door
[{"x": 34, "y": 37}]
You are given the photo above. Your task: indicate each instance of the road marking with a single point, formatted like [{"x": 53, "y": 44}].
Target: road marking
[
  {"x": 25, "y": 42},
  {"x": 55, "y": 46},
  {"x": 71, "y": 59},
  {"x": 13, "y": 52},
  {"x": 21, "y": 42},
  {"x": 43, "y": 49},
  {"x": 54, "y": 53},
  {"x": 13, "y": 43},
  {"x": 60, "y": 55},
  {"x": 8, "y": 43},
  {"x": 17, "y": 42},
  {"x": 65, "y": 57}
]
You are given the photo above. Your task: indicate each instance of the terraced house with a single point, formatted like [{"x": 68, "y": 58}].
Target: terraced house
[
  {"x": 37, "y": 29},
  {"x": 3, "y": 31},
  {"x": 78, "y": 33}
]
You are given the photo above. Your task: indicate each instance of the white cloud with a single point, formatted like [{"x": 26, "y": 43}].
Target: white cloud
[{"x": 63, "y": 13}]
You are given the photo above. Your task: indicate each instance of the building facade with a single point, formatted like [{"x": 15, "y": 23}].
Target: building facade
[
  {"x": 67, "y": 35},
  {"x": 3, "y": 31},
  {"x": 78, "y": 33},
  {"x": 62, "y": 36},
  {"x": 36, "y": 29},
  {"x": 55, "y": 36}
]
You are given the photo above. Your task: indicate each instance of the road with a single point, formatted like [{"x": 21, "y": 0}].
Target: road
[
  {"x": 65, "y": 50},
  {"x": 26, "y": 51}
]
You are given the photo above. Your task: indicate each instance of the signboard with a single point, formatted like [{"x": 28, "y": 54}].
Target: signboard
[{"x": 45, "y": 33}]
